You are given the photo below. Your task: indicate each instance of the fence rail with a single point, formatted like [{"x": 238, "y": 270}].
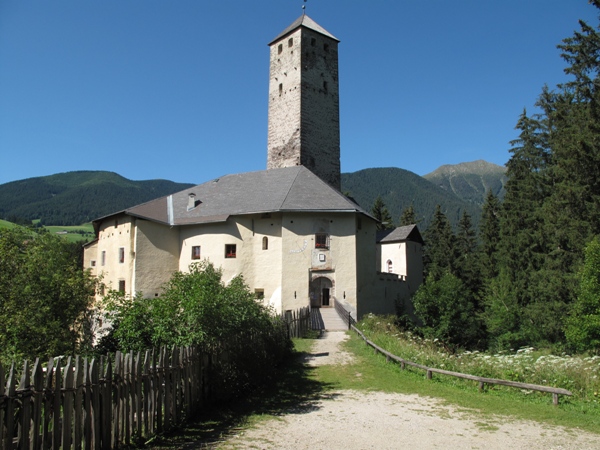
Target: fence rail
[
  {"x": 344, "y": 314},
  {"x": 481, "y": 380}
]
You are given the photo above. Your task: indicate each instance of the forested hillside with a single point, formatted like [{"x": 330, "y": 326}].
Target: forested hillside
[
  {"x": 399, "y": 189},
  {"x": 74, "y": 198}
]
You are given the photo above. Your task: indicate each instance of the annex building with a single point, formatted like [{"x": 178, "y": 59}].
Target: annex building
[{"x": 295, "y": 238}]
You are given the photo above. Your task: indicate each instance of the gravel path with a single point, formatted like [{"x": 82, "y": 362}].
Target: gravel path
[{"x": 375, "y": 420}]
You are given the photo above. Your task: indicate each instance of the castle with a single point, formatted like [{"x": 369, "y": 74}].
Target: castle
[{"x": 295, "y": 238}]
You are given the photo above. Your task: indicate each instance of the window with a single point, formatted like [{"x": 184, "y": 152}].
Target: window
[
  {"x": 196, "y": 252},
  {"x": 325, "y": 86},
  {"x": 290, "y": 42},
  {"x": 313, "y": 42},
  {"x": 103, "y": 257},
  {"x": 280, "y": 88},
  {"x": 93, "y": 263},
  {"x": 279, "y": 48},
  {"x": 390, "y": 267},
  {"x": 121, "y": 285},
  {"x": 259, "y": 294},
  {"x": 121, "y": 254},
  {"x": 230, "y": 251},
  {"x": 321, "y": 240},
  {"x": 326, "y": 47},
  {"x": 265, "y": 243}
]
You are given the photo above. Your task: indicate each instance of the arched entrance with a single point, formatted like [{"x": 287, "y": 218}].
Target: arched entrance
[{"x": 321, "y": 292}]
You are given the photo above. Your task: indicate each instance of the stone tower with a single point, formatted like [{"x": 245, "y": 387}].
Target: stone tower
[{"x": 304, "y": 112}]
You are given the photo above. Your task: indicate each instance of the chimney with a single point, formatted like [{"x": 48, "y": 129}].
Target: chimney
[{"x": 191, "y": 201}]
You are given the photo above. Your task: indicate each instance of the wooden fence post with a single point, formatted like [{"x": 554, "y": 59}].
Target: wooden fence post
[
  {"x": 78, "y": 419},
  {"x": 2, "y": 389},
  {"x": 67, "y": 404},
  {"x": 10, "y": 409}
]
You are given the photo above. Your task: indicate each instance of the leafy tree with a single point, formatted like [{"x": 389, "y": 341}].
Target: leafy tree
[
  {"x": 446, "y": 312},
  {"x": 382, "y": 214},
  {"x": 409, "y": 216},
  {"x": 45, "y": 296},
  {"x": 583, "y": 325}
]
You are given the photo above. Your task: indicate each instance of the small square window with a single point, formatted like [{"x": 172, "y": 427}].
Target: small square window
[
  {"x": 196, "y": 252},
  {"x": 93, "y": 263},
  {"x": 321, "y": 240},
  {"x": 121, "y": 285},
  {"x": 121, "y": 254},
  {"x": 230, "y": 250},
  {"x": 259, "y": 294},
  {"x": 321, "y": 257}
]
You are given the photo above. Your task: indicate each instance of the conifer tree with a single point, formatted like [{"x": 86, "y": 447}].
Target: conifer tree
[
  {"x": 489, "y": 233},
  {"x": 382, "y": 214},
  {"x": 409, "y": 216},
  {"x": 439, "y": 252}
]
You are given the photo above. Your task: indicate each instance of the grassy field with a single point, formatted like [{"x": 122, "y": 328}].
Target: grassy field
[
  {"x": 79, "y": 233},
  {"x": 297, "y": 385}
]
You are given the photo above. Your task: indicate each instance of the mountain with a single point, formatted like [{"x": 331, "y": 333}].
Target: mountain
[
  {"x": 400, "y": 188},
  {"x": 470, "y": 181},
  {"x": 73, "y": 198}
]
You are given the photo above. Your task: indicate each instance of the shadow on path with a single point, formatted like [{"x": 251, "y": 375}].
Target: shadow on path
[{"x": 292, "y": 390}]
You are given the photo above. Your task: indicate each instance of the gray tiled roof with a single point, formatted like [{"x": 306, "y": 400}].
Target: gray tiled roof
[
  {"x": 304, "y": 21},
  {"x": 285, "y": 189},
  {"x": 399, "y": 234}
]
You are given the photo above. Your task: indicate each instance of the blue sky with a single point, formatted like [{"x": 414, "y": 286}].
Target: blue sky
[{"x": 178, "y": 89}]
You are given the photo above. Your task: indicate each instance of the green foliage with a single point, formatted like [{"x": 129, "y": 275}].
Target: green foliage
[
  {"x": 382, "y": 214},
  {"x": 74, "y": 198},
  {"x": 44, "y": 295},
  {"x": 489, "y": 235},
  {"x": 197, "y": 308},
  {"x": 439, "y": 253},
  {"x": 409, "y": 216},
  {"x": 583, "y": 326},
  {"x": 447, "y": 312}
]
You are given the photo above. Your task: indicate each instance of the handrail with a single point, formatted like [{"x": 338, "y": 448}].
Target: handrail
[
  {"x": 482, "y": 380},
  {"x": 344, "y": 314}
]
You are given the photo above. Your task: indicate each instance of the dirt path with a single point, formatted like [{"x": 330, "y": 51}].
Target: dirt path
[{"x": 375, "y": 420}]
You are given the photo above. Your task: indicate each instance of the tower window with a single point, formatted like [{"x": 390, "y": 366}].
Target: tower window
[
  {"x": 279, "y": 48},
  {"x": 326, "y": 47},
  {"x": 265, "y": 243},
  {"x": 313, "y": 42},
  {"x": 325, "y": 86},
  {"x": 196, "y": 252},
  {"x": 280, "y": 88},
  {"x": 321, "y": 240},
  {"x": 121, "y": 255},
  {"x": 390, "y": 267},
  {"x": 290, "y": 42}
]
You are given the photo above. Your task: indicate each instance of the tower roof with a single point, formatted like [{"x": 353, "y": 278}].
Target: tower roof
[{"x": 307, "y": 22}]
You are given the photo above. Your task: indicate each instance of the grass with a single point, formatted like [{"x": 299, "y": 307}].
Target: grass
[
  {"x": 77, "y": 233},
  {"x": 296, "y": 387},
  {"x": 5, "y": 224}
]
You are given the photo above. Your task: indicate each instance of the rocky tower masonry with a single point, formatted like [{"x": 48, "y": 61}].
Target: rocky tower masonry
[{"x": 304, "y": 111}]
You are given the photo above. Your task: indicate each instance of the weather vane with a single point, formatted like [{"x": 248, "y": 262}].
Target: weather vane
[{"x": 304, "y": 7}]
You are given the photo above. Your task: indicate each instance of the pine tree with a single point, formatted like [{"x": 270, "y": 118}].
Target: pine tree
[
  {"x": 382, "y": 214},
  {"x": 409, "y": 216},
  {"x": 489, "y": 232},
  {"x": 439, "y": 253},
  {"x": 467, "y": 265}
]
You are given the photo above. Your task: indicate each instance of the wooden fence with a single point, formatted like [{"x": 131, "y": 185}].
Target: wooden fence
[
  {"x": 98, "y": 403},
  {"x": 298, "y": 322},
  {"x": 481, "y": 380}
]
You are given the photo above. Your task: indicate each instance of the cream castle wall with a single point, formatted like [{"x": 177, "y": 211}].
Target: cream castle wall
[
  {"x": 156, "y": 256},
  {"x": 114, "y": 234}
]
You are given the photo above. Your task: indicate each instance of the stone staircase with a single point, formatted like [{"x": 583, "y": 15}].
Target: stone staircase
[{"x": 326, "y": 319}]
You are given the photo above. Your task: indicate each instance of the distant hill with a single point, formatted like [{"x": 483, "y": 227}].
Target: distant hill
[
  {"x": 470, "y": 181},
  {"x": 400, "y": 188},
  {"x": 73, "y": 198}
]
